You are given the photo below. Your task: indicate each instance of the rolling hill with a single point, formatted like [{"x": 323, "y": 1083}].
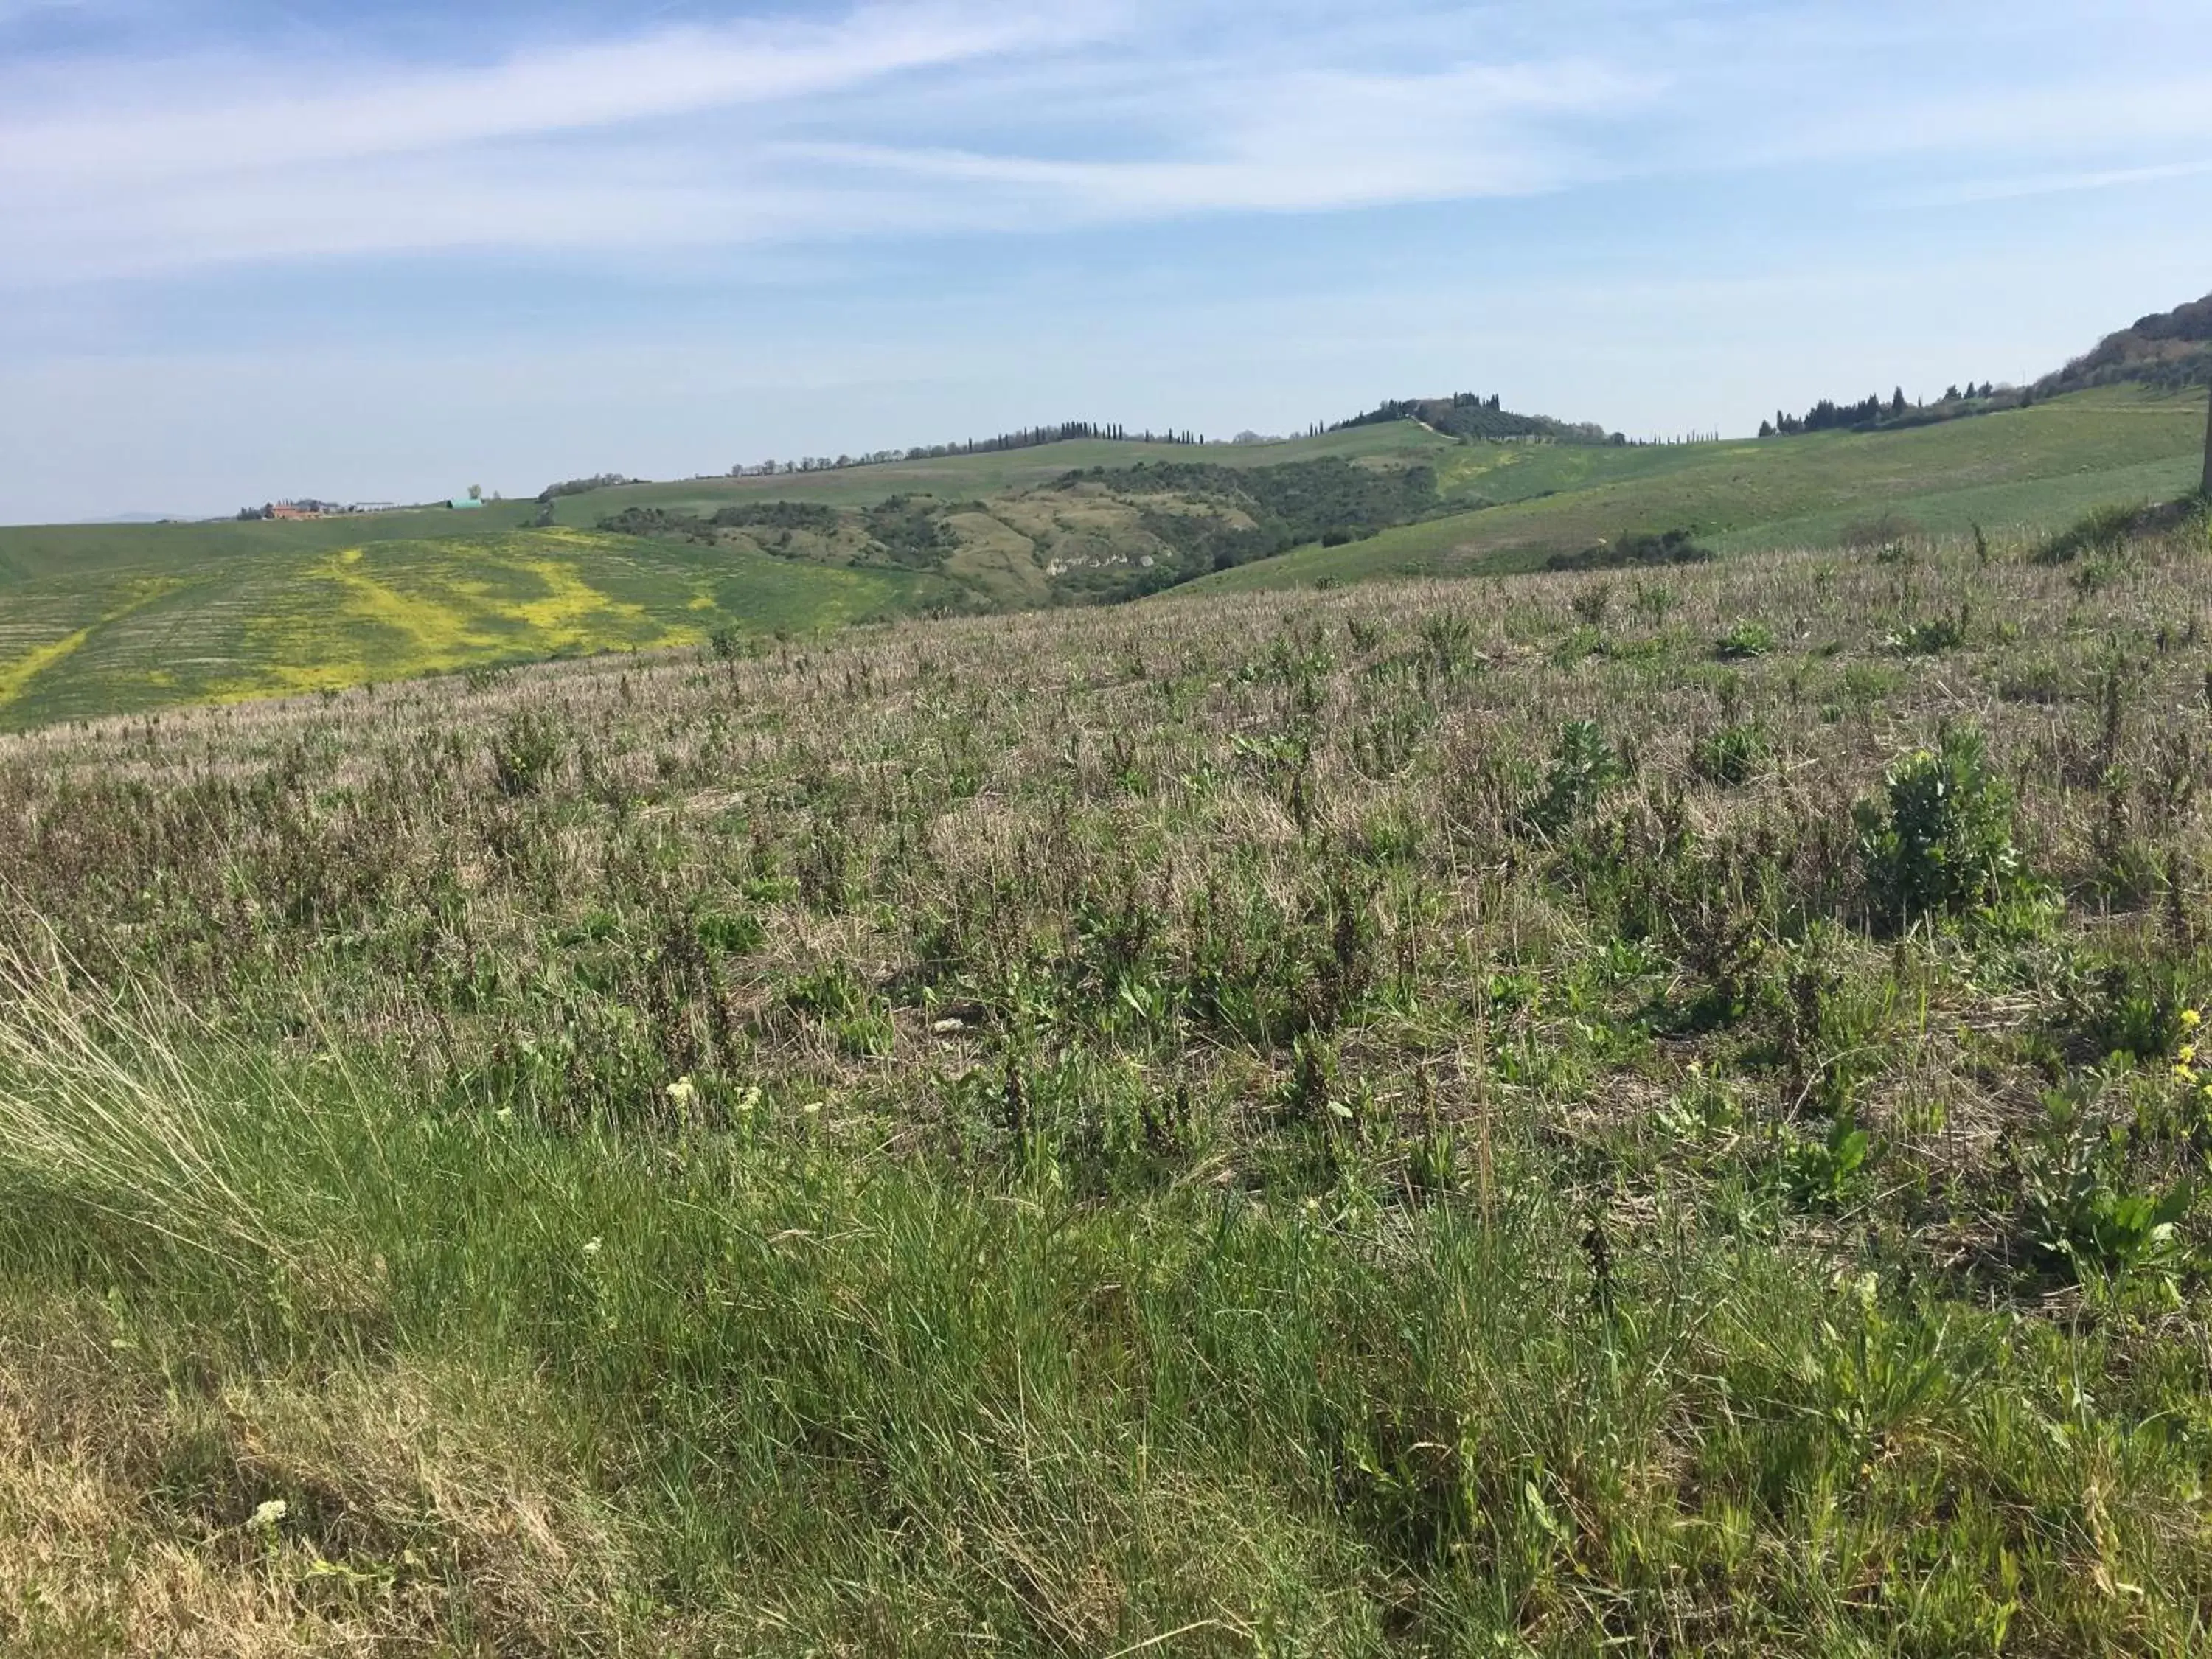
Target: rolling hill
[
  {"x": 98, "y": 620},
  {"x": 2022, "y": 472},
  {"x": 305, "y": 613}
]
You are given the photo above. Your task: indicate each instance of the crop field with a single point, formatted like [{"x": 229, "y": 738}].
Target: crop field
[
  {"x": 1538, "y": 1115},
  {"x": 36, "y": 552},
  {"x": 2027, "y": 471},
  {"x": 315, "y": 618}
]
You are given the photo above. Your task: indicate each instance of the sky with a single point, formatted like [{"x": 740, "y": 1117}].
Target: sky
[{"x": 385, "y": 249}]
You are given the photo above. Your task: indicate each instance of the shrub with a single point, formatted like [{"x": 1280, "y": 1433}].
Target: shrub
[
  {"x": 1584, "y": 767},
  {"x": 1745, "y": 640},
  {"x": 1889, "y": 530},
  {"x": 1729, "y": 757},
  {"x": 525, "y": 753},
  {"x": 2081, "y": 1209},
  {"x": 1941, "y": 840},
  {"x": 1448, "y": 650},
  {"x": 1929, "y": 637},
  {"x": 2103, "y": 530},
  {"x": 1591, "y": 604},
  {"x": 1631, "y": 551}
]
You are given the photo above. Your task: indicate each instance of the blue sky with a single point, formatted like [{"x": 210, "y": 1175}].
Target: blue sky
[{"x": 260, "y": 248}]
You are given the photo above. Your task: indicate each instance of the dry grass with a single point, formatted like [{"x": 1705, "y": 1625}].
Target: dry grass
[{"x": 1232, "y": 1126}]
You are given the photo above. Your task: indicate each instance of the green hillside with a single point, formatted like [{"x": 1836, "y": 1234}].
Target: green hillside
[
  {"x": 2026, "y": 471},
  {"x": 103, "y": 619},
  {"x": 955, "y": 478},
  {"x": 108, "y": 619},
  {"x": 296, "y": 616},
  {"x": 29, "y": 552}
]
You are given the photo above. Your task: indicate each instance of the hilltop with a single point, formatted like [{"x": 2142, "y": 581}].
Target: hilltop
[
  {"x": 2166, "y": 351},
  {"x": 2168, "y": 348},
  {"x": 1468, "y": 415},
  {"x": 2021, "y": 471}
]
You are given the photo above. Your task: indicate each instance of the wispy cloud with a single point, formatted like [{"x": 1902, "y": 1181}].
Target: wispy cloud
[
  {"x": 1968, "y": 192},
  {"x": 131, "y": 132},
  {"x": 904, "y": 115},
  {"x": 1315, "y": 140},
  {"x": 755, "y": 131}
]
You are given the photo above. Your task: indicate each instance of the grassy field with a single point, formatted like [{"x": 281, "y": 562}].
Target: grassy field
[
  {"x": 304, "y": 618},
  {"x": 1544, "y": 1114},
  {"x": 2026, "y": 471},
  {"x": 98, "y": 620},
  {"x": 43, "y": 552},
  {"x": 965, "y": 478}
]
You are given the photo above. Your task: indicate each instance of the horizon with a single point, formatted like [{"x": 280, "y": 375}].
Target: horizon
[{"x": 350, "y": 252}]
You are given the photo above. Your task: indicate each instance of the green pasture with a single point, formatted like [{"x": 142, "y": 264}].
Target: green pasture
[
  {"x": 33, "y": 552},
  {"x": 2024, "y": 472},
  {"x": 286, "y": 620},
  {"x": 965, "y": 477}
]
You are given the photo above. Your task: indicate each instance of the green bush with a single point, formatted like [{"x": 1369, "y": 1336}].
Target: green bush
[
  {"x": 1730, "y": 756},
  {"x": 2082, "y": 1208},
  {"x": 1930, "y": 636},
  {"x": 525, "y": 753},
  {"x": 1745, "y": 640},
  {"x": 1633, "y": 551},
  {"x": 2103, "y": 530},
  {"x": 1941, "y": 838},
  {"x": 1584, "y": 767}
]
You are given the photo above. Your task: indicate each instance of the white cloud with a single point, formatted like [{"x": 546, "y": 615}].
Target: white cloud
[
  {"x": 2048, "y": 184},
  {"x": 128, "y": 131},
  {"x": 740, "y": 135},
  {"x": 1314, "y": 140},
  {"x": 907, "y": 116}
]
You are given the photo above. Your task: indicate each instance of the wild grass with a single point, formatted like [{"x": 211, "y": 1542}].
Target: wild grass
[{"x": 1430, "y": 1118}]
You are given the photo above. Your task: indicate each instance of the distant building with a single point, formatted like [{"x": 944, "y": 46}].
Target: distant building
[
  {"x": 303, "y": 509},
  {"x": 465, "y": 504}
]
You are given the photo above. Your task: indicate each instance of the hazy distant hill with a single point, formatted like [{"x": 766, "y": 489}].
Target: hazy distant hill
[{"x": 2169, "y": 348}]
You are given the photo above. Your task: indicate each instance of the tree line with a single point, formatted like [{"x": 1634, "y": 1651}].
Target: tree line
[
  {"x": 1471, "y": 415},
  {"x": 1030, "y": 437},
  {"x": 1877, "y": 412}
]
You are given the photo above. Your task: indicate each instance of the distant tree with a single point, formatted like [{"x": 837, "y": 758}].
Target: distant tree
[
  {"x": 1896, "y": 401},
  {"x": 475, "y": 492}
]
